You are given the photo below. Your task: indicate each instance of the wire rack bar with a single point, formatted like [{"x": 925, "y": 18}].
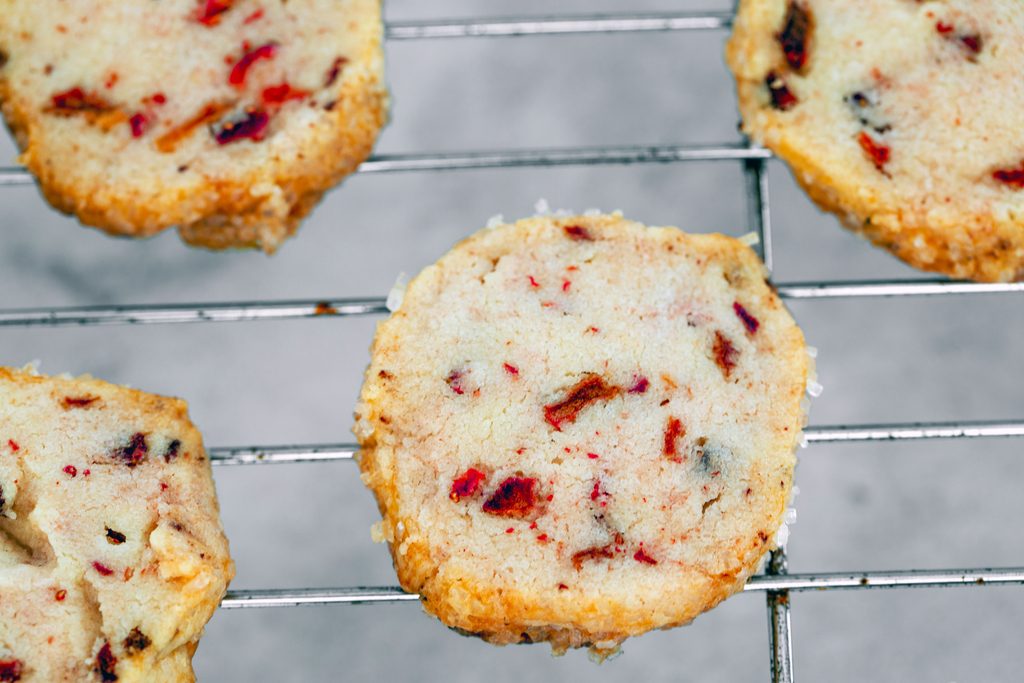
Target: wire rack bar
[
  {"x": 275, "y": 455},
  {"x": 910, "y": 578},
  {"x": 780, "y": 643},
  {"x": 557, "y": 25},
  {"x": 759, "y": 217},
  {"x": 571, "y": 156},
  {"x": 239, "y": 311}
]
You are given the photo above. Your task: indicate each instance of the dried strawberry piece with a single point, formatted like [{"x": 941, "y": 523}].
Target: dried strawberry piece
[
  {"x": 334, "y": 71},
  {"x": 169, "y": 141},
  {"x": 60, "y": 595},
  {"x": 795, "y": 35},
  {"x": 210, "y": 11},
  {"x": 454, "y": 380},
  {"x": 139, "y": 124},
  {"x": 11, "y": 670},
  {"x": 725, "y": 353},
  {"x": 782, "y": 97},
  {"x": 578, "y": 233},
  {"x": 102, "y": 568},
  {"x": 674, "y": 430},
  {"x": 115, "y": 537},
  {"x": 515, "y": 497},
  {"x": 1014, "y": 177},
  {"x": 749, "y": 321},
  {"x": 279, "y": 94},
  {"x": 642, "y": 557},
  {"x": 71, "y": 471},
  {"x": 13, "y": 445},
  {"x": 254, "y": 17},
  {"x": 511, "y": 369},
  {"x": 878, "y": 153},
  {"x": 78, "y": 401},
  {"x": 253, "y": 125},
  {"x": 639, "y": 386},
  {"x": 595, "y": 553},
  {"x": 973, "y": 42},
  {"x": 172, "y": 450},
  {"x": 943, "y": 27},
  {"x": 241, "y": 68},
  {"x": 134, "y": 452},
  {"x": 106, "y": 663},
  {"x": 590, "y": 389},
  {"x": 467, "y": 484},
  {"x": 136, "y": 641},
  {"x": 77, "y": 100}
]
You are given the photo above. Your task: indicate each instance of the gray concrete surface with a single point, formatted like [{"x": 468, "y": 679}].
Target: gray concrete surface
[{"x": 862, "y": 506}]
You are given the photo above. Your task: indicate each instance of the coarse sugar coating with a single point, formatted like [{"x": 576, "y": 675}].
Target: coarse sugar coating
[
  {"x": 112, "y": 556},
  {"x": 579, "y": 428},
  {"x": 898, "y": 116},
  {"x": 225, "y": 118}
]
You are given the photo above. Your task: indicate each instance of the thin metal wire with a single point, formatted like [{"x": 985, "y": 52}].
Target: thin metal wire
[
  {"x": 240, "y": 311},
  {"x": 557, "y": 25},
  {"x": 759, "y": 217},
  {"x": 277, "y": 455},
  {"x": 910, "y": 578},
  {"x": 780, "y": 642}
]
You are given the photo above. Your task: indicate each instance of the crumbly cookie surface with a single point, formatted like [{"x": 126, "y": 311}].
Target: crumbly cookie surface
[
  {"x": 112, "y": 556},
  {"x": 898, "y": 116},
  {"x": 225, "y": 118},
  {"x": 579, "y": 429}
]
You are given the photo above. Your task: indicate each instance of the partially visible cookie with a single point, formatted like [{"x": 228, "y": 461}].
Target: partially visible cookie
[
  {"x": 579, "y": 429},
  {"x": 112, "y": 556},
  {"x": 900, "y": 117},
  {"x": 225, "y": 118}
]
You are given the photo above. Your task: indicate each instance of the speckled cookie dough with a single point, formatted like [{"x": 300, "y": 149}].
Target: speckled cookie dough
[
  {"x": 112, "y": 556},
  {"x": 225, "y": 118},
  {"x": 579, "y": 428},
  {"x": 899, "y": 116}
]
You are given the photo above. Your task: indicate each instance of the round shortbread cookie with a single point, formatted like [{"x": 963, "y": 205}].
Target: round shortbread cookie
[
  {"x": 112, "y": 556},
  {"x": 225, "y": 118},
  {"x": 900, "y": 117},
  {"x": 579, "y": 429}
]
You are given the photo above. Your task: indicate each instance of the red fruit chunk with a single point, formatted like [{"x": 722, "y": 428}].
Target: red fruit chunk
[
  {"x": 60, "y": 595},
  {"x": 334, "y": 71},
  {"x": 641, "y": 556},
  {"x": 13, "y": 445},
  {"x": 253, "y": 127},
  {"x": 255, "y": 16},
  {"x": 102, "y": 568},
  {"x": 76, "y": 100},
  {"x": 725, "y": 353},
  {"x": 210, "y": 11},
  {"x": 594, "y": 553},
  {"x": 533, "y": 282},
  {"x": 11, "y": 670},
  {"x": 782, "y": 97},
  {"x": 639, "y": 386},
  {"x": 135, "y": 451},
  {"x": 566, "y": 285},
  {"x": 943, "y": 28},
  {"x": 593, "y": 456},
  {"x": 511, "y": 369},
  {"x": 795, "y": 34},
  {"x": 115, "y": 537},
  {"x": 749, "y": 321},
  {"x": 579, "y": 233},
  {"x": 172, "y": 450},
  {"x": 241, "y": 68},
  {"x": 878, "y": 153},
  {"x": 139, "y": 124},
  {"x": 972, "y": 42},
  {"x": 71, "y": 471},
  {"x": 673, "y": 431},
  {"x": 515, "y": 497},
  {"x": 562, "y": 587},
  {"x": 596, "y": 491},
  {"x": 466, "y": 484},
  {"x": 160, "y": 98},
  {"x": 106, "y": 663},
  {"x": 279, "y": 94},
  {"x": 588, "y": 390},
  {"x": 169, "y": 141},
  {"x": 136, "y": 641},
  {"x": 1014, "y": 177},
  {"x": 542, "y": 537},
  {"x": 454, "y": 380},
  {"x": 78, "y": 401}
]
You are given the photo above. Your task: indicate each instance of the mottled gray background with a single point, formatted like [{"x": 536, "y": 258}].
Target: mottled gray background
[{"x": 862, "y": 506}]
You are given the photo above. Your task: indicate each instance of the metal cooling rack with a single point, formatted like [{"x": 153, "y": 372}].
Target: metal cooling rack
[{"x": 776, "y": 582}]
